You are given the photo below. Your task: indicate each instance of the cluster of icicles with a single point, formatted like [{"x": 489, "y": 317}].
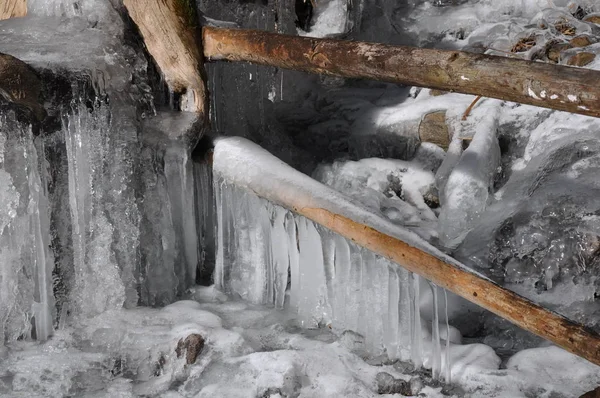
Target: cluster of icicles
[{"x": 268, "y": 255}]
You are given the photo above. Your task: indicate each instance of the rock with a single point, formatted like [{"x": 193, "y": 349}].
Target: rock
[
  {"x": 581, "y": 59},
  {"x": 435, "y": 93},
  {"x": 416, "y": 385},
  {"x": 193, "y": 345},
  {"x": 387, "y": 384},
  {"x": 20, "y": 84},
  {"x": 554, "y": 50},
  {"x": 592, "y": 394},
  {"x": 580, "y": 41},
  {"x": 433, "y": 129}
]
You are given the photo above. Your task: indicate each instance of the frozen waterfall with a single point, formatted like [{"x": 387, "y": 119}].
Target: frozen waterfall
[
  {"x": 26, "y": 262},
  {"x": 266, "y": 254}
]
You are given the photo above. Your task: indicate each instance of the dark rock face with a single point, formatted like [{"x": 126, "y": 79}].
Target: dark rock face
[
  {"x": 192, "y": 346},
  {"x": 304, "y": 12}
]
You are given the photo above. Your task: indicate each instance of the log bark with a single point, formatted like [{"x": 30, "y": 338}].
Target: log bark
[
  {"x": 277, "y": 182},
  {"x": 13, "y": 8},
  {"x": 171, "y": 32},
  {"x": 557, "y": 87}
]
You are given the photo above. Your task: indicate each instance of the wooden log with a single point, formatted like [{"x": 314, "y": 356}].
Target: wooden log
[
  {"x": 270, "y": 178},
  {"x": 171, "y": 32},
  {"x": 13, "y": 8},
  {"x": 551, "y": 86}
]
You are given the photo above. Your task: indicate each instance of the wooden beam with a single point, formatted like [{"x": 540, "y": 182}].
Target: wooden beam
[
  {"x": 272, "y": 179},
  {"x": 171, "y": 32},
  {"x": 551, "y": 86},
  {"x": 13, "y": 9}
]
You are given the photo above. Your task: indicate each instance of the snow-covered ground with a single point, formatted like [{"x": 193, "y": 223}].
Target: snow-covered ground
[{"x": 252, "y": 351}]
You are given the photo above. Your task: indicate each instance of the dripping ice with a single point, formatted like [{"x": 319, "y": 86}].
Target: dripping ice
[{"x": 268, "y": 255}]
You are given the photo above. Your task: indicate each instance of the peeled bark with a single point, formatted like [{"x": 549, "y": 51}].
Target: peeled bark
[
  {"x": 13, "y": 8},
  {"x": 550, "y": 86}
]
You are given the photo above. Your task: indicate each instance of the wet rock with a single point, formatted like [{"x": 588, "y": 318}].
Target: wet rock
[
  {"x": 554, "y": 50},
  {"x": 435, "y": 93},
  {"x": 581, "y": 59},
  {"x": 387, "y": 384},
  {"x": 433, "y": 129},
  {"x": 192, "y": 346},
  {"x": 20, "y": 84},
  {"x": 580, "y": 41}
]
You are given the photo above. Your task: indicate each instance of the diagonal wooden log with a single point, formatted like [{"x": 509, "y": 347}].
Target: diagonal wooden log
[
  {"x": 248, "y": 166},
  {"x": 551, "y": 86},
  {"x": 171, "y": 32},
  {"x": 13, "y": 9}
]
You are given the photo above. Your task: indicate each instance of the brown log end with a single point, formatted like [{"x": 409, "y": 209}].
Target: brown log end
[{"x": 20, "y": 84}]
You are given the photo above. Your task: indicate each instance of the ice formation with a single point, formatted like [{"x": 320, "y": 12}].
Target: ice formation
[{"x": 26, "y": 296}]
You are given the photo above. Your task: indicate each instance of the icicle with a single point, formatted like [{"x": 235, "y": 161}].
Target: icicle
[
  {"x": 416, "y": 332},
  {"x": 279, "y": 257},
  {"x": 43, "y": 259},
  {"x": 436, "y": 351},
  {"x": 341, "y": 309},
  {"x": 392, "y": 325},
  {"x": 312, "y": 306},
  {"x": 220, "y": 261},
  {"x": 447, "y": 351},
  {"x": 281, "y": 86},
  {"x": 332, "y": 281}
]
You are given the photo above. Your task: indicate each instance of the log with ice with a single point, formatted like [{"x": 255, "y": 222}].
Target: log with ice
[
  {"x": 468, "y": 188},
  {"x": 269, "y": 255}
]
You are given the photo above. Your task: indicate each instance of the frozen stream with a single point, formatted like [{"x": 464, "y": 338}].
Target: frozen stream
[
  {"x": 253, "y": 351},
  {"x": 110, "y": 223}
]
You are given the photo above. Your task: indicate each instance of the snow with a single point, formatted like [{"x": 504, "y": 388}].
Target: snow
[{"x": 252, "y": 350}]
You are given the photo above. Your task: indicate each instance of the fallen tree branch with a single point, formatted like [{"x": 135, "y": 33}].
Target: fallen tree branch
[
  {"x": 551, "y": 86},
  {"x": 13, "y": 9},
  {"x": 248, "y": 166},
  {"x": 171, "y": 32}
]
